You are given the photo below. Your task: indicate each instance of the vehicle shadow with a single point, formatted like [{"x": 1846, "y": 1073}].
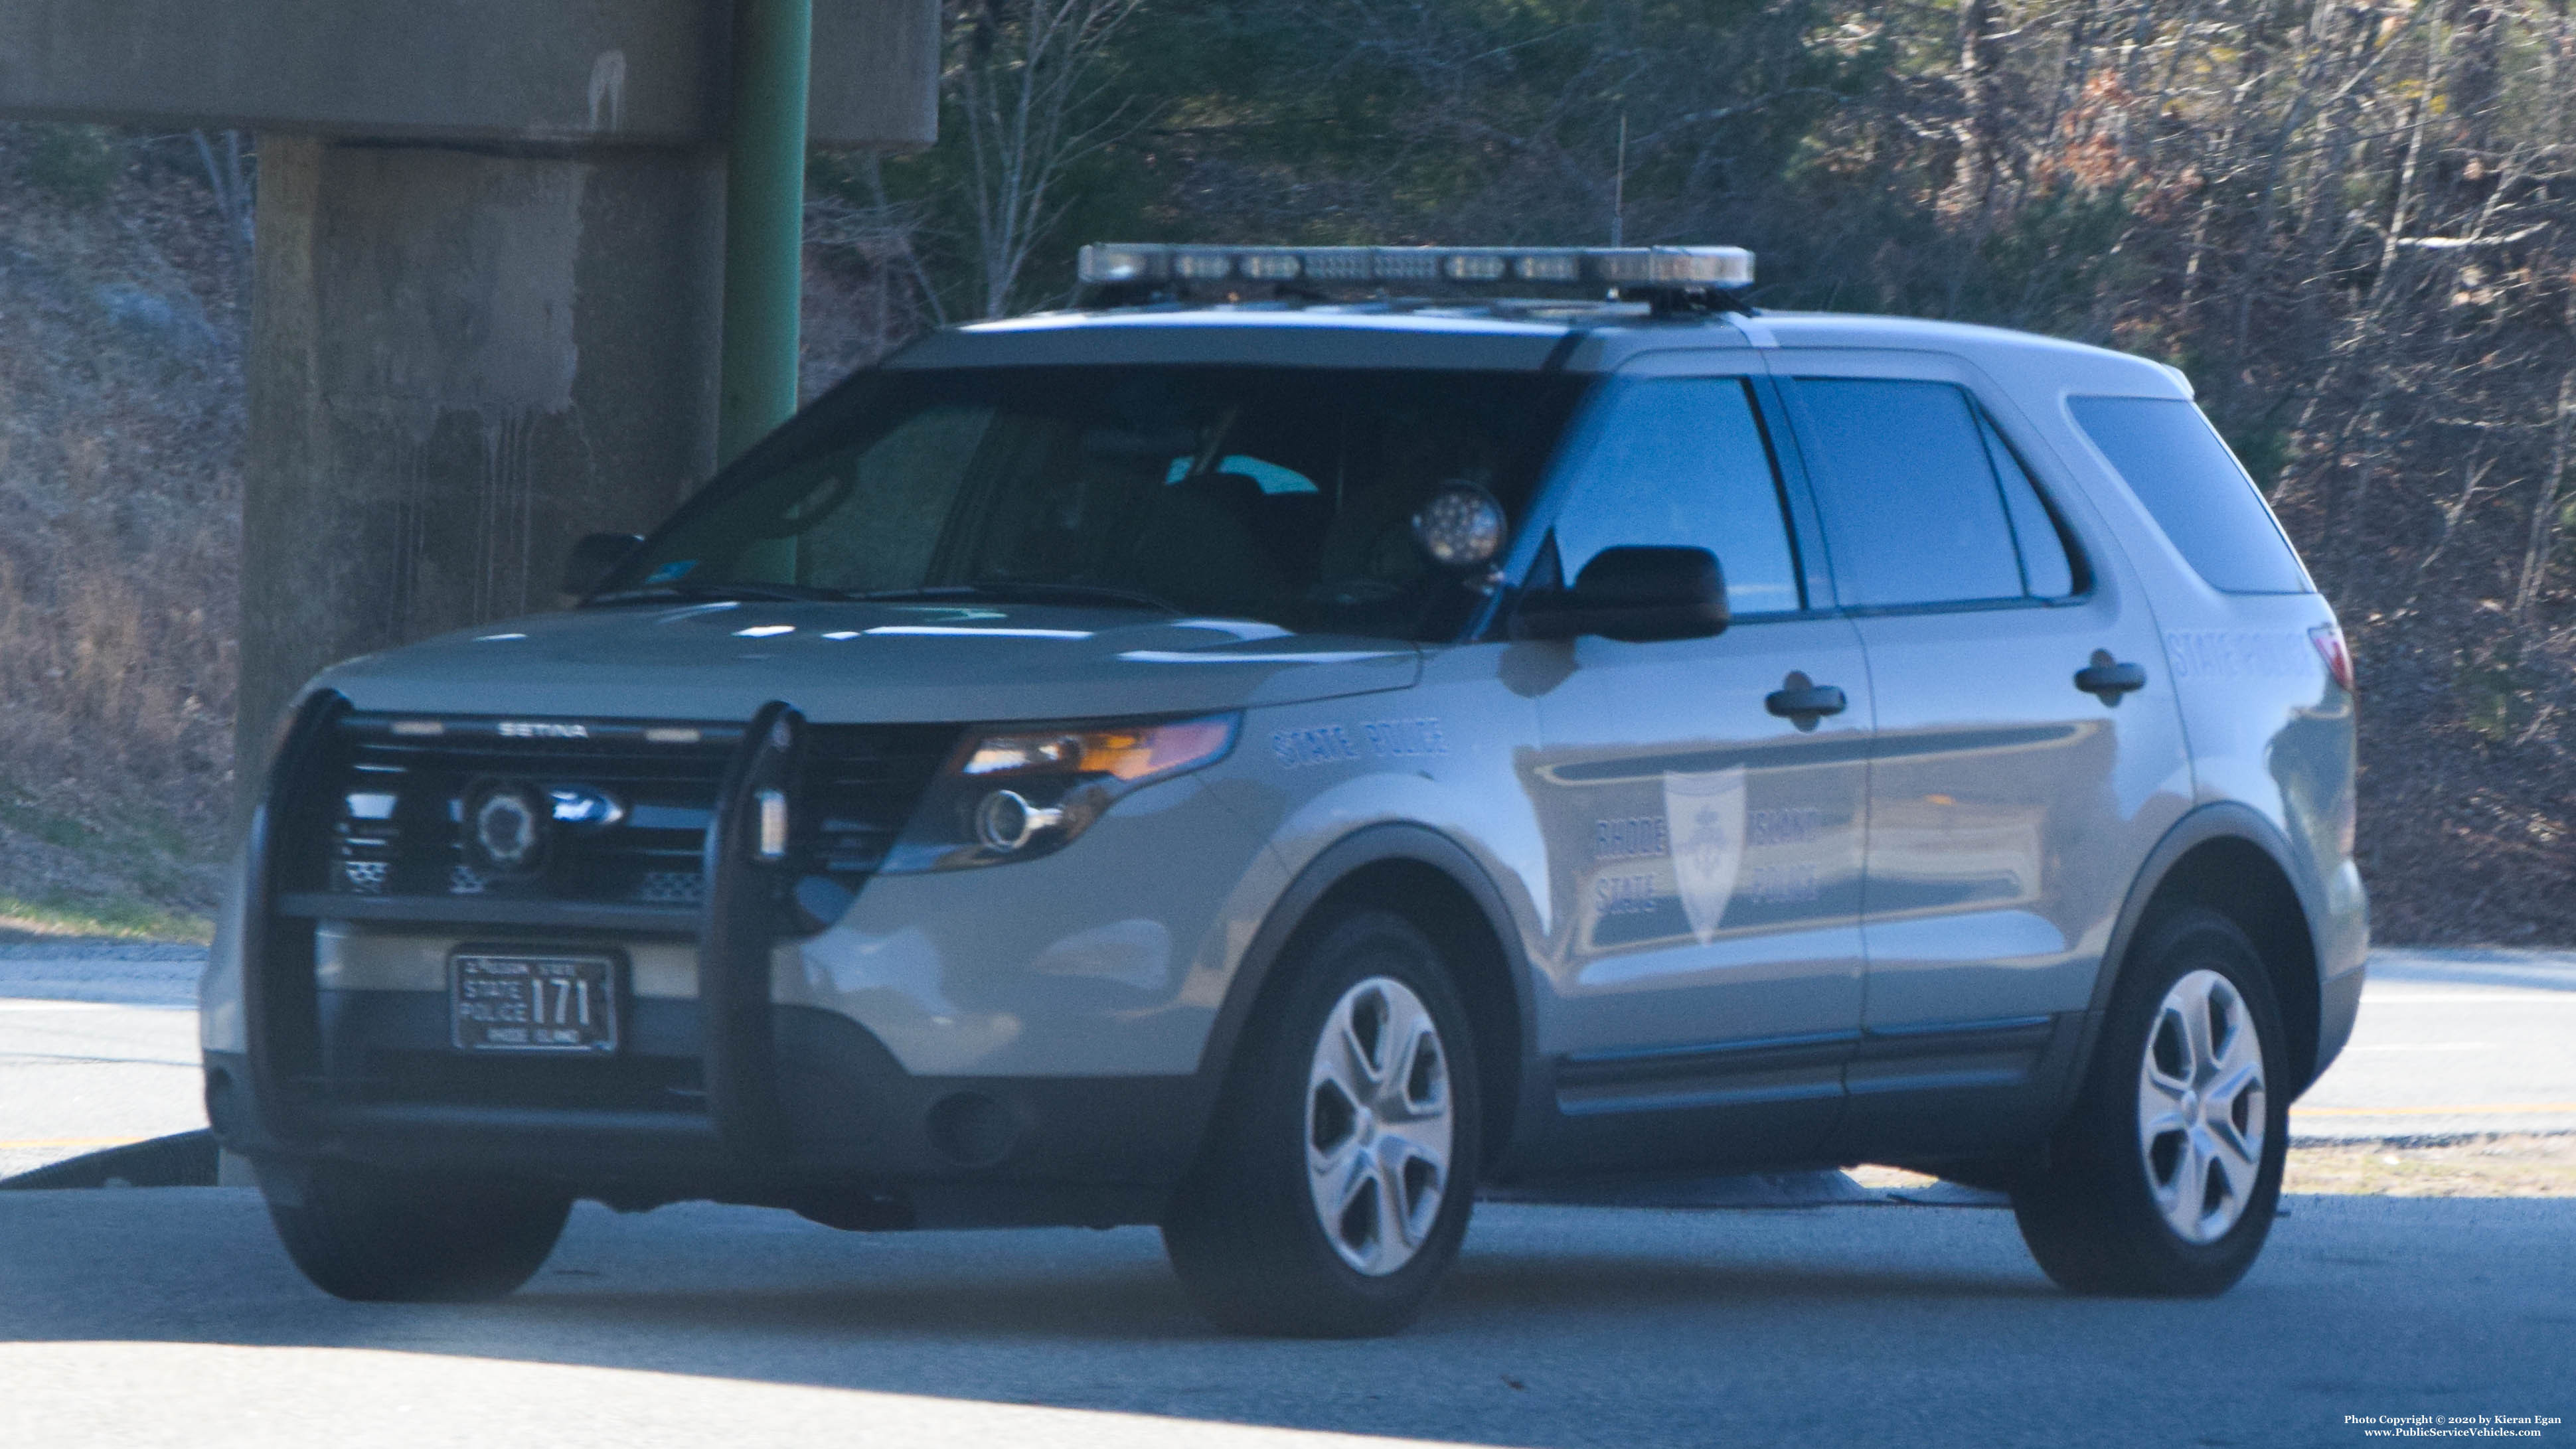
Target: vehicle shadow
[
  {"x": 1558, "y": 1326},
  {"x": 1140, "y": 1302}
]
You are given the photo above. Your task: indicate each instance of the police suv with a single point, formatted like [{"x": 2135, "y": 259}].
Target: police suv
[{"x": 1313, "y": 734}]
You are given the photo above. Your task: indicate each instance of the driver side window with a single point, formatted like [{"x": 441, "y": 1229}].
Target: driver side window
[{"x": 1682, "y": 462}]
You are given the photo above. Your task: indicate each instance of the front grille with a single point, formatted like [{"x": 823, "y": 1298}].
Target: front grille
[
  {"x": 399, "y": 787},
  {"x": 398, "y": 806},
  {"x": 859, "y": 788}
]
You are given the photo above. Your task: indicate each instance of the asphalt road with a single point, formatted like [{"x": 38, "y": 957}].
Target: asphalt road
[
  {"x": 96, "y": 1048},
  {"x": 171, "y": 1317},
  {"x": 2454, "y": 1041}
]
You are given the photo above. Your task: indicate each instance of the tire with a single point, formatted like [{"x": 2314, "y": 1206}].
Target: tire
[
  {"x": 2165, "y": 1180},
  {"x": 1340, "y": 1168},
  {"x": 376, "y": 1237}
]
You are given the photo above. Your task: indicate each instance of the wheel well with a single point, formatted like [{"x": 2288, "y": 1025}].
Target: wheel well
[
  {"x": 1434, "y": 901},
  {"x": 2240, "y": 880}
]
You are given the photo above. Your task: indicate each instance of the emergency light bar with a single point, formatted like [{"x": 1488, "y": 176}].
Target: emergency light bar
[{"x": 1155, "y": 266}]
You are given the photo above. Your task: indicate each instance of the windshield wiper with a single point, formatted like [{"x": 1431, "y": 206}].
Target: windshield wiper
[
  {"x": 719, "y": 594},
  {"x": 1027, "y": 592}
]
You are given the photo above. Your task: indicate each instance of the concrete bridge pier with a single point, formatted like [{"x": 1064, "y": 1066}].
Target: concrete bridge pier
[{"x": 459, "y": 362}]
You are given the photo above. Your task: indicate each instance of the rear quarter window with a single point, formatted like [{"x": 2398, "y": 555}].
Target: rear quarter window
[{"x": 2195, "y": 489}]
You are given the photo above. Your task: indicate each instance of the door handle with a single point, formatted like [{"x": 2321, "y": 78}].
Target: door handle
[
  {"x": 1802, "y": 701},
  {"x": 2106, "y": 678}
]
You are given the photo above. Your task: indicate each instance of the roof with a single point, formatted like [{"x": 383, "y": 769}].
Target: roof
[{"x": 1502, "y": 333}]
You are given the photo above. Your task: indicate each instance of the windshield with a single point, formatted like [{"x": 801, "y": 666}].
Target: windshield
[{"x": 1278, "y": 494}]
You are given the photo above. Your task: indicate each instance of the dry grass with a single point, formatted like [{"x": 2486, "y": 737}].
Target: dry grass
[
  {"x": 2505, "y": 1165},
  {"x": 121, "y": 427}
]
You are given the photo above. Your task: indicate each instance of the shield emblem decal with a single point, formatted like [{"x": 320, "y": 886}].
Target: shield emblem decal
[{"x": 1705, "y": 814}]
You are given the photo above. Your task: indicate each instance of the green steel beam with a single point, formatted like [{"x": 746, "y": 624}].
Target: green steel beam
[{"x": 764, "y": 220}]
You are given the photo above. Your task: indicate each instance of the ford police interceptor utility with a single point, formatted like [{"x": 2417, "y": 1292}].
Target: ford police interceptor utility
[{"x": 1316, "y": 732}]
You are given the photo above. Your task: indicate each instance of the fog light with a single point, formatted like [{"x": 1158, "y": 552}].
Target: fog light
[{"x": 1007, "y": 822}]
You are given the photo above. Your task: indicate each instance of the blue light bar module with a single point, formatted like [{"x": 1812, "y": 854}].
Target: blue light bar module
[{"x": 1130, "y": 273}]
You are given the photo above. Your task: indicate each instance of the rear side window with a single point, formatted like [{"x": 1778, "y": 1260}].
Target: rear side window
[
  {"x": 1921, "y": 503},
  {"x": 2199, "y": 495},
  {"x": 1681, "y": 462}
]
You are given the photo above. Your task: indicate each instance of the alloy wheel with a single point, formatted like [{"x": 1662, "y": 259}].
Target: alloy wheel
[
  {"x": 2201, "y": 1106},
  {"x": 1380, "y": 1125}
]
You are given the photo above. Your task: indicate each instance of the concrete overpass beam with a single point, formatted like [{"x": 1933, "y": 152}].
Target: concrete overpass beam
[
  {"x": 458, "y": 363},
  {"x": 632, "y": 72}
]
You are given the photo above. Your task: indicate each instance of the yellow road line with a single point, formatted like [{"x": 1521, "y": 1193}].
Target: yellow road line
[
  {"x": 2470, "y": 1109},
  {"x": 34, "y": 1143}
]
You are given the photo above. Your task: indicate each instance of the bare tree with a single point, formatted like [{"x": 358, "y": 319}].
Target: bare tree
[
  {"x": 1024, "y": 74},
  {"x": 230, "y": 181}
]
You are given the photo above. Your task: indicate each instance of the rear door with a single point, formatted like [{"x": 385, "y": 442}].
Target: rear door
[
  {"x": 2028, "y": 751},
  {"x": 1704, "y": 851}
]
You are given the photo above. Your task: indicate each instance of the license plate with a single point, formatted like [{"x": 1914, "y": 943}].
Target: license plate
[{"x": 533, "y": 1003}]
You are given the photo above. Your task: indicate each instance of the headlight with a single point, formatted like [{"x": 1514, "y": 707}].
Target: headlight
[{"x": 1018, "y": 793}]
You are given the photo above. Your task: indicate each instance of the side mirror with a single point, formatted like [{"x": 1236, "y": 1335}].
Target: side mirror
[
  {"x": 594, "y": 558},
  {"x": 1635, "y": 594}
]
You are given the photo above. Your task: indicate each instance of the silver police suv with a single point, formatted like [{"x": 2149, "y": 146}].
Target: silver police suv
[{"x": 1270, "y": 766}]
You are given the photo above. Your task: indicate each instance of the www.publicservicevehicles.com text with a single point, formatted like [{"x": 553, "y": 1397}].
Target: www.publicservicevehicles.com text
[{"x": 2450, "y": 1426}]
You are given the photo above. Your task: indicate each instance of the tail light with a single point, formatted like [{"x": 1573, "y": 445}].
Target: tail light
[{"x": 2338, "y": 655}]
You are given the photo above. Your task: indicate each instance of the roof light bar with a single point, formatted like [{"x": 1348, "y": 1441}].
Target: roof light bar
[{"x": 1147, "y": 264}]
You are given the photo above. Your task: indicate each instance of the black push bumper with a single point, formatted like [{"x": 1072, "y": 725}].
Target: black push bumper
[{"x": 729, "y": 1097}]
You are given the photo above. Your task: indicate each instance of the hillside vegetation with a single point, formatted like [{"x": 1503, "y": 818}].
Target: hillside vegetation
[
  {"x": 120, "y": 525},
  {"x": 2352, "y": 224}
]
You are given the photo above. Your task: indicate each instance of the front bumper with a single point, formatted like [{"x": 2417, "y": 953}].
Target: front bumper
[
  {"x": 2338, "y": 1007},
  {"x": 731, "y": 1095},
  {"x": 863, "y": 1143}
]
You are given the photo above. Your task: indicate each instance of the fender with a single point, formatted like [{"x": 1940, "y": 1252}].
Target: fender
[
  {"x": 1328, "y": 870},
  {"x": 2219, "y": 820}
]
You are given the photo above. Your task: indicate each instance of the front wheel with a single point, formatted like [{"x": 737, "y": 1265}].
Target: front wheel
[
  {"x": 1339, "y": 1173},
  {"x": 378, "y": 1237},
  {"x": 2165, "y": 1182}
]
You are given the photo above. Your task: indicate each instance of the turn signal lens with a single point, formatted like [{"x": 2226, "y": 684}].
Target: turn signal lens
[
  {"x": 1127, "y": 753},
  {"x": 2338, "y": 655}
]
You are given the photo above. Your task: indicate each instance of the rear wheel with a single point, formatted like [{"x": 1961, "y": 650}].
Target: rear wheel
[
  {"x": 1340, "y": 1171},
  {"x": 2165, "y": 1182},
  {"x": 382, "y": 1237}
]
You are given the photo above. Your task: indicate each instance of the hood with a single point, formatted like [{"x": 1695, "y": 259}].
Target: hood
[{"x": 868, "y": 663}]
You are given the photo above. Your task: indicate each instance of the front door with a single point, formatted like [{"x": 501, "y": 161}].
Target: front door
[
  {"x": 1703, "y": 815},
  {"x": 2009, "y": 805}
]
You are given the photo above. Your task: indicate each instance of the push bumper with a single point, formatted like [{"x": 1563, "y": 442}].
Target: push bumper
[{"x": 730, "y": 1096}]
